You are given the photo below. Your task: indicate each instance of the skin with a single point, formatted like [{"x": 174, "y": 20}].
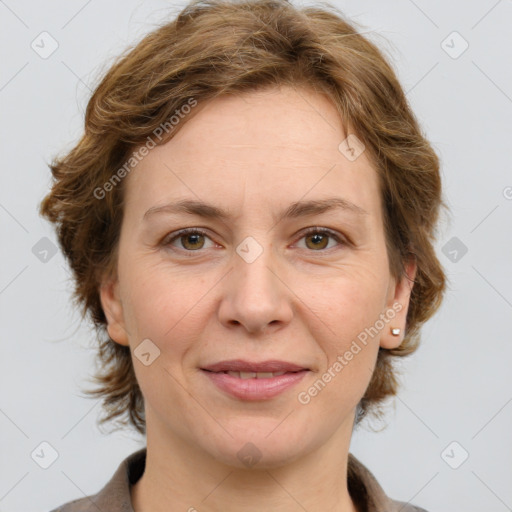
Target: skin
[{"x": 303, "y": 300}]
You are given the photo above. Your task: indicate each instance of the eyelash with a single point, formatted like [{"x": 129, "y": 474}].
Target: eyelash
[{"x": 198, "y": 231}]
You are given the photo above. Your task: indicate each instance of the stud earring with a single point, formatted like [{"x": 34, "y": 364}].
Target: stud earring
[{"x": 395, "y": 331}]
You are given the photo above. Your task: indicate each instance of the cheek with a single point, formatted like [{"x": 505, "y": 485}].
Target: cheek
[
  {"x": 161, "y": 306},
  {"x": 351, "y": 302},
  {"x": 350, "y": 307},
  {"x": 165, "y": 309}
]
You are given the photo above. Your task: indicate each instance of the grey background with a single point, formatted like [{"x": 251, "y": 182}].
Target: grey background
[{"x": 457, "y": 387}]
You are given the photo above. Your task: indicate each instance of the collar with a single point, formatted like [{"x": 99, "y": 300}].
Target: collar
[{"x": 363, "y": 487}]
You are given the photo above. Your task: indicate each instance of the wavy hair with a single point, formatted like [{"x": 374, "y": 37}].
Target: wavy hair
[{"x": 217, "y": 47}]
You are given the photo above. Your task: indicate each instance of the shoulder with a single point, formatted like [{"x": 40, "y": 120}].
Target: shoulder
[
  {"x": 115, "y": 495},
  {"x": 368, "y": 493},
  {"x": 79, "y": 505}
]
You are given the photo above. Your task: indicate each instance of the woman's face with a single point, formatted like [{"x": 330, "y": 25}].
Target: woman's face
[{"x": 256, "y": 285}]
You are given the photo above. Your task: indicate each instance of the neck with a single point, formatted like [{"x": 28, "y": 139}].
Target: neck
[{"x": 182, "y": 477}]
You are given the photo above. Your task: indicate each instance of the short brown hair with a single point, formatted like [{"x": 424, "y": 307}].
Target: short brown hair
[{"x": 229, "y": 47}]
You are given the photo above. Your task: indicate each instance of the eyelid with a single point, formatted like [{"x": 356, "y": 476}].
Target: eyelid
[
  {"x": 341, "y": 239},
  {"x": 175, "y": 235}
]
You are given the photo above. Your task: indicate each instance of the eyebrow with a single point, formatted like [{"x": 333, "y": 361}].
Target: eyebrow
[{"x": 294, "y": 210}]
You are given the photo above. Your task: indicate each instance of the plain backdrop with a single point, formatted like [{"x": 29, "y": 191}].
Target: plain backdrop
[{"x": 448, "y": 444}]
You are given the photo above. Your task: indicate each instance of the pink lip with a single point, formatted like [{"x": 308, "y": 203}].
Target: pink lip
[{"x": 254, "y": 389}]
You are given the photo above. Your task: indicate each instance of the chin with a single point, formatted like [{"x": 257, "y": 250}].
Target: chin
[
  {"x": 254, "y": 457},
  {"x": 264, "y": 447}
]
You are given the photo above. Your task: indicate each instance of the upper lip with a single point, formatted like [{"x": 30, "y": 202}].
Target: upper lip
[{"x": 239, "y": 365}]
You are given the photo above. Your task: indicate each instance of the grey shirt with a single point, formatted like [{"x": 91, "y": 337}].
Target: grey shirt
[{"x": 364, "y": 489}]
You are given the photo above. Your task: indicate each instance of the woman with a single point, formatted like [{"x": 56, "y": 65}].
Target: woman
[{"x": 250, "y": 219}]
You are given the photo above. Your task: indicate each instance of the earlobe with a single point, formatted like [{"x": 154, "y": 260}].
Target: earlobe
[
  {"x": 393, "y": 334},
  {"x": 113, "y": 309}
]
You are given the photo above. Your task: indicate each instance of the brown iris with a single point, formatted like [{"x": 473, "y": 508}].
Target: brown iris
[
  {"x": 318, "y": 237},
  {"x": 194, "y": 237}
]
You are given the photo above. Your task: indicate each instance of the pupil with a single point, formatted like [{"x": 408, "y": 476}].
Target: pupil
[
  {"x": 192, "y": 239},
  {"x": 317, "y": 239}
]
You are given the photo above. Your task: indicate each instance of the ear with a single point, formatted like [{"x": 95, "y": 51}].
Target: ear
[
  {"x": 113, "y": 309},
  {"x": 398, "y": 301}
]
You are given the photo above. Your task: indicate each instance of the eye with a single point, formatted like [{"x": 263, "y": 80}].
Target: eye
[
  {"x": 192, "y": 239},
  {"x": 317, "y": 238}
]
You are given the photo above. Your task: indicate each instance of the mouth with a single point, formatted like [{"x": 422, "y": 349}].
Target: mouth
[
  {"x": 246, "y": 380},
  {"x": 248, "y": 368},
  {"x": 253, "y": 375}
]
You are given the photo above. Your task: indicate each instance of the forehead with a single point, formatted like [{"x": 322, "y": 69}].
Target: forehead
[{"x": 271, "y": 146}]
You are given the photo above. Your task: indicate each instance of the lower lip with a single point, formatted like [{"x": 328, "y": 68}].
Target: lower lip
[{"x": 255, "y": 389}]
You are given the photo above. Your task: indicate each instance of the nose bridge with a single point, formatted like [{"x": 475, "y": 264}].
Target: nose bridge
[
  {"x": 256, "y": 296},
  {"x": 254, "y": 260}
]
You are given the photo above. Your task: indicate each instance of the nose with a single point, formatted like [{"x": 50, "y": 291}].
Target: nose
[{"x": 256, "y": 295}]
